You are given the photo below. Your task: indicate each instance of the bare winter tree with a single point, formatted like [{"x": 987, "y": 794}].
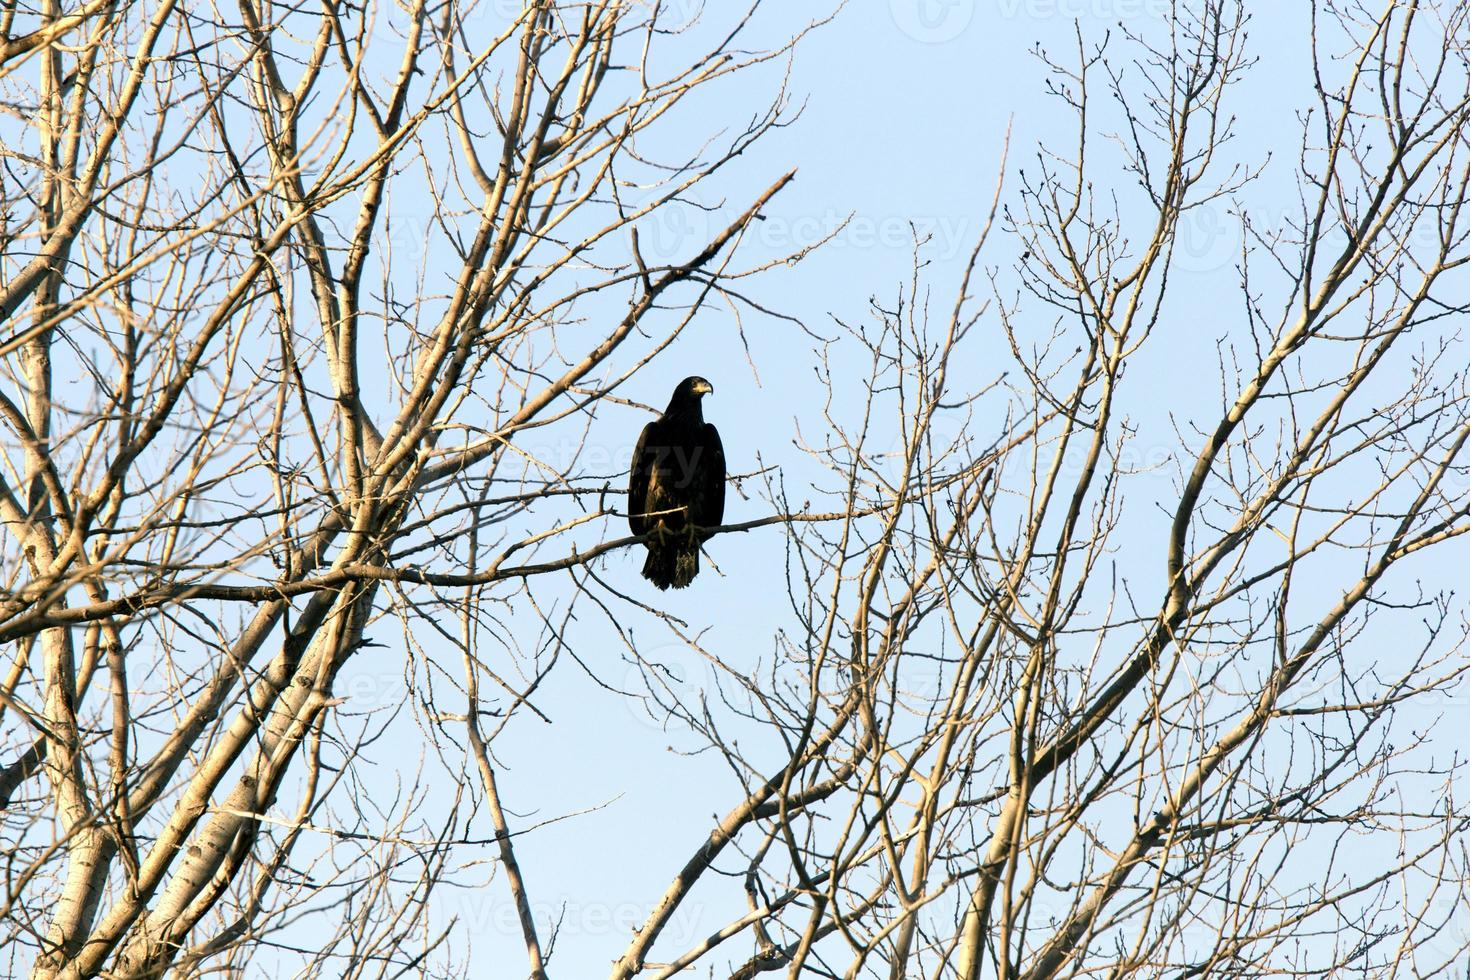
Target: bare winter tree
[
  {"x": 241, "y": 403},
  {"x": 1056, "y": 703},
  {"x": 286, "y": 291}
]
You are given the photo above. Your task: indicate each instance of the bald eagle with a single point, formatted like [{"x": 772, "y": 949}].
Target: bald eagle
[{"x": 677, "y": 486}]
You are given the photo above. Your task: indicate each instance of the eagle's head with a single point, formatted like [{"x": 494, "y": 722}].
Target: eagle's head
[{"x": 687, "y": 395}]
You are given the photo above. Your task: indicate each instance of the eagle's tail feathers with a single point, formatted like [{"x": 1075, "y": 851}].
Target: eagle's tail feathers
[
  {"x": 671, "y": 566},
  {"x": 686, "y": 566}
]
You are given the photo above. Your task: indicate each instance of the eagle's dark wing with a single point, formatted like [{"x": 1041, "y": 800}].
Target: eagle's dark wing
[
  {"x": 709, "y": 496},
  {"x": 638, "y": 482}
]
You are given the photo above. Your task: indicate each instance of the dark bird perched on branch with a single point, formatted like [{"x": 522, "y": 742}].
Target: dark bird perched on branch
[{"x": 677, "y": 486}]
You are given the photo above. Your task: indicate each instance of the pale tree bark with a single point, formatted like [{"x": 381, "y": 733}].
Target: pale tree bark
[{"x": 199, "y": 536}]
